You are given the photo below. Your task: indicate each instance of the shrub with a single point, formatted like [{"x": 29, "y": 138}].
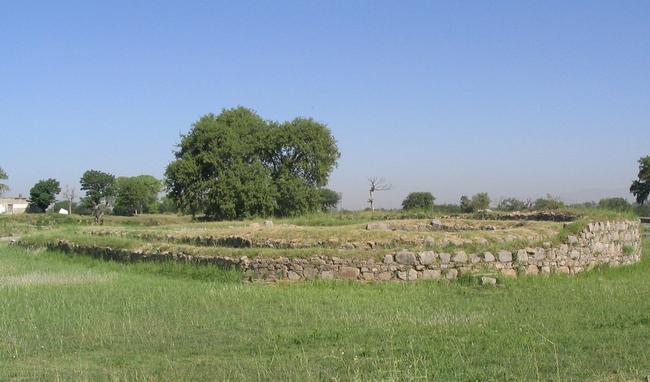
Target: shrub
[
  {"x": 615, "y": 204},
  {"x": 418, "y": 200},
  {"x": 513, "y": 204},
  {"x": 548, "y": 203}
]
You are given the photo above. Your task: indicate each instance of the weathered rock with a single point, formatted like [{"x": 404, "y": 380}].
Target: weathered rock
[
  {"x": 505, "y": 256},
  {"x": 327, "y": 275},
  {"x": 488, "y": 257},
  {"x": 572, "y": 239},
  {"x": 486, "y": 280},
  {"x": 522, "y": 256},
  {"x": 310, "y": 273},
  {"x": 427, "y": 258},
  {"x": 349, "y": 273},
  {"x": 563, "y": 269},
  {"x": 389, "y": 259},
  {"x": 384, "y": 276},
  {"x": 430, "y": 274},
  {"x": 444, "y": 258},
  {"x": 532, "y": 269},
  {"x": 377, "y": 226},
  {"x": 293, "y": 276},
  {"x": 460, "y": 257},
  {"x": 405, "y": 257},
  {"x": 268, "y": 224},
  {"x": 509, "y": 272},
  {"x": 451, "y": 274}
]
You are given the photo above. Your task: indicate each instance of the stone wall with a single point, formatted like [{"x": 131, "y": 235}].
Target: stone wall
[{"x": 614, "y": 243}]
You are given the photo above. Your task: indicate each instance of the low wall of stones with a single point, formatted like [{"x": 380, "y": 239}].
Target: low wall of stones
[{"x": 613, "y": 243}]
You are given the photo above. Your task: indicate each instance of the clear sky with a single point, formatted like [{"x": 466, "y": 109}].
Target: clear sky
[{"x": 516, "y": 98}]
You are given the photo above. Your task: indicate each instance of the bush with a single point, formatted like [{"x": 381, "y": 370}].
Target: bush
[
  {"x": 615, "y": 204},
  {"x": 513, "y": 204},
  {"x": 329, "y": 199},
  {"x": 418, "y": 200},
  {"x": 548, "y": 203}
]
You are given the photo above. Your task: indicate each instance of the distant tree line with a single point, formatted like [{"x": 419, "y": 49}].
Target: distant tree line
[{"x": 237, "y": 165}]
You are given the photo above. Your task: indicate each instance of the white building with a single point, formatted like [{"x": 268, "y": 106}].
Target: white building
[{"x": 13, "y": 206}]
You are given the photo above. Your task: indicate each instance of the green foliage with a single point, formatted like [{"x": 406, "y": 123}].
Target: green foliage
[
  {"x": 548, "y": 203},
  {"x": 63, "y": 204},
  {"x": 615, "y": 204},
  {"x": 465, "y": 204},
  {"x": 574, "y": 228},
  {"x": 513, "y": 204},
  {"x": 329, "y": 199},
  {"x": 480, "y": 201},
  {"x": 640, "y": 188},
  {"x": 3, "y": 176},
  {"x": 137, "y": 194},
  {"x": 642, "y": 209},
  {"x": 418, "y": 200},
  {"x": 43, "y": 194},
  {"x": 166, "y": 205},
  {"x": 236, "y": 165},
  {"x": 100, "y": 188}
]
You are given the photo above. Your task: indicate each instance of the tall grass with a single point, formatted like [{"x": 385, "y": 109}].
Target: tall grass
[{"x": 145, "y": 322}]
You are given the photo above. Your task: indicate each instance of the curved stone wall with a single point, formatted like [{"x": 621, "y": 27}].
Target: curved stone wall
[{"x": 612, "y": 242}]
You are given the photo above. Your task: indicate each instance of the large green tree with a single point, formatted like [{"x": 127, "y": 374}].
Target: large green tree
[
  {"x": 641, "y": 187},
  {"x": 43, "y": 194},
  {"x": 3, "y": 176},
  {"x": 100, "y": 189},
  {"x": 136, "y": 194},
  {"x": 236, "y": 165},
  {"x": 418, "y": 200}
]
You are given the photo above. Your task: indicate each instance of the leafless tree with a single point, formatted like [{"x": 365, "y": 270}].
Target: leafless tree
[
  {"x": 69, "y": 193},
  {"x": 376, "y": 185}
]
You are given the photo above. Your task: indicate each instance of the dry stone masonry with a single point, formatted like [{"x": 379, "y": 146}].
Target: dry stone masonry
[{"x": 612, "y": 242}]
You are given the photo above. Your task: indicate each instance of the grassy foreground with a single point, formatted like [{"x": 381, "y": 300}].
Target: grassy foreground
[{"x": 73, "y": 318}]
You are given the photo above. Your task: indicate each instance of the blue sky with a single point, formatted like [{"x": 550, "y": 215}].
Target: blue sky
[{"x": 516, "y": 98}]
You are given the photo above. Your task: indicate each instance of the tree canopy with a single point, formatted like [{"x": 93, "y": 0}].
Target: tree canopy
[
  {"x": 615, "y": 204},
  {"x": 513, "y": 204},
  {"x": 136, "y": 194},
  {"x": 236, "y": 165},
  {"x": 418, "y": 200},
  {"x": 43, "y": 194},
  {"x": 100, "y": 188},
  {"x": 548, "y": 203},
  {"x": 329, "y": 199},
  {"x": 3, "y": 176},
  {"x": 480, "y": 201},
  {"x": 640, "y": 188}
]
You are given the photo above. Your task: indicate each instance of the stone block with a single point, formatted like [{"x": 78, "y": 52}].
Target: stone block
[
  {"x": 427, "y": 258},
  {"x": 505, "y": 256},
  {"x": 486, "y": 280},
  {"x": 349, "y": 273},
  {"x": 405, "y": 258}
]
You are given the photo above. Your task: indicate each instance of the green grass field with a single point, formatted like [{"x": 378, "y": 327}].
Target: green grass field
[{"x": 74, "y": 318}]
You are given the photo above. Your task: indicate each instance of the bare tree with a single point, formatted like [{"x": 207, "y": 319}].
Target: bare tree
[
  {"x": 69, "y": 193},
  {"x": 376, "y": 185}
]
